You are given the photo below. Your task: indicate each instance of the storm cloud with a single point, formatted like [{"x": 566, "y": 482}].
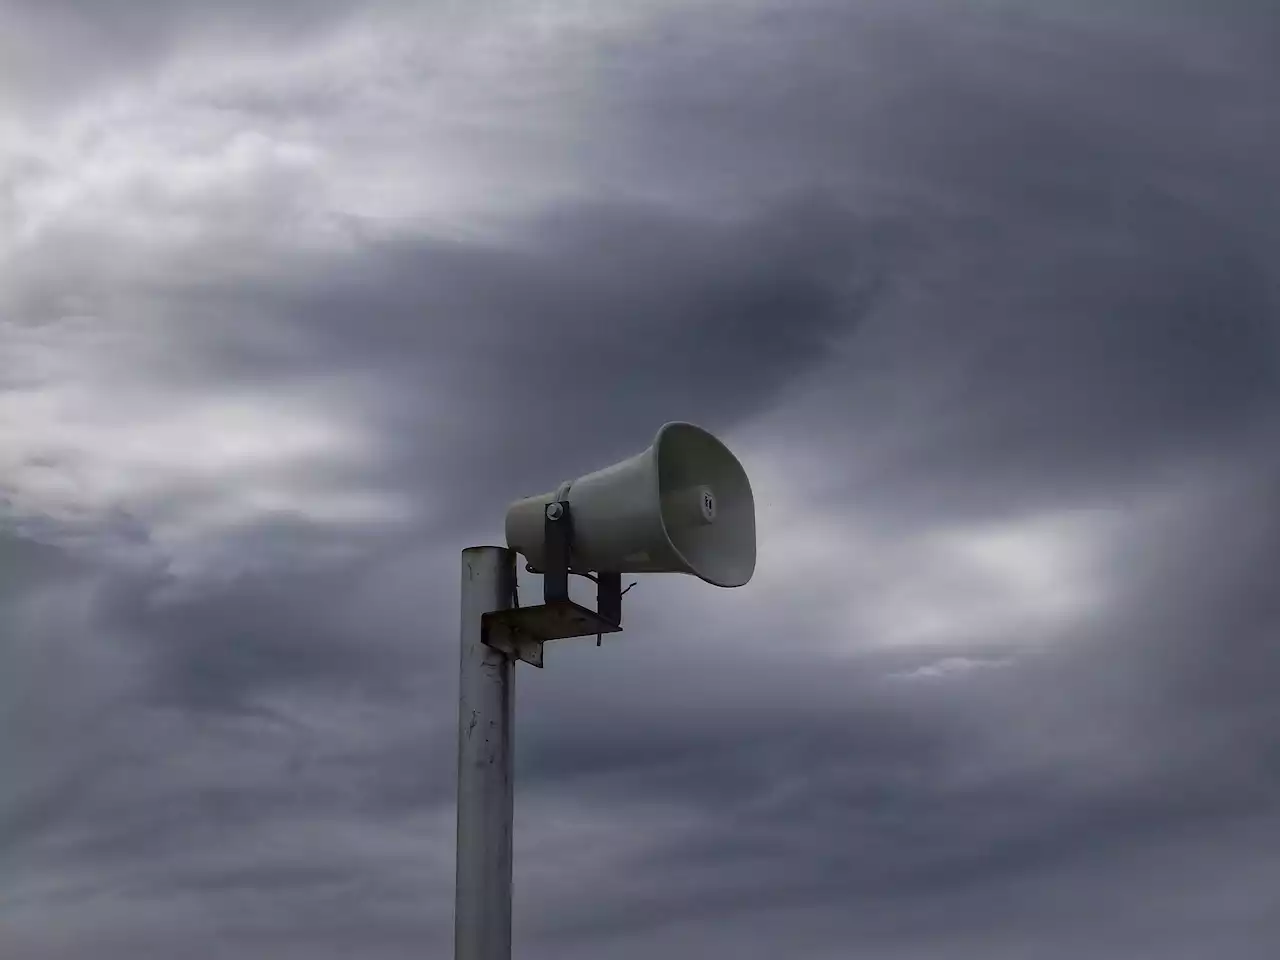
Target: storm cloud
[{"x": 294, "y": 298}]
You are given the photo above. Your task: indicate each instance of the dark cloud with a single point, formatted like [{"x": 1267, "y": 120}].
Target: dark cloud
[
  {"x": 64, "y": 49},
  {"x": 985, "y": 299},
  {"x": 27, "y": 563},
  {"x": 596, "y": 321}
]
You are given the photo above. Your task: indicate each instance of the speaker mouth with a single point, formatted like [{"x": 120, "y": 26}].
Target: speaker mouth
[{"x": 707, "y": 507}]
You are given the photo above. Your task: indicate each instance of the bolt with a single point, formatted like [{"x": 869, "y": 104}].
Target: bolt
[{"x": 554, "y": 511}]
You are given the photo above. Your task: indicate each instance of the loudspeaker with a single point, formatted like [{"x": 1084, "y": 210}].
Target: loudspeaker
[{"x": 684, "y": 505}]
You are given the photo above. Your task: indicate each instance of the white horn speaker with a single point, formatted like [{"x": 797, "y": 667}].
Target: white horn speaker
[{"x": 684, "y": 505}]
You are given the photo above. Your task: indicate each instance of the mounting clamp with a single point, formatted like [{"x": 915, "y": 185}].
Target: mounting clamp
[{"x": 520, "y": 632}]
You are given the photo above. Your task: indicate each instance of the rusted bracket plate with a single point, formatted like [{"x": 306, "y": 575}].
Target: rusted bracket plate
[{"x": 520, "y": 632}]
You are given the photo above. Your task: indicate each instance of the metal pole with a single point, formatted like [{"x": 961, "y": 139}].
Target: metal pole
[{"x": 482, "y": 905}]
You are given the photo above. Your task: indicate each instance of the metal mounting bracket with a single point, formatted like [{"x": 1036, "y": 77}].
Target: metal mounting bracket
[{"x": 520, "y": 632}]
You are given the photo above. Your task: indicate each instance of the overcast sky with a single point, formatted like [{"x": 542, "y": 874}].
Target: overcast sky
[{"x": 296, "y": 296}]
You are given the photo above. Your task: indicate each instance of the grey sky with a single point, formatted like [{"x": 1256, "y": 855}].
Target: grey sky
[{"x": 294, "y": 297}]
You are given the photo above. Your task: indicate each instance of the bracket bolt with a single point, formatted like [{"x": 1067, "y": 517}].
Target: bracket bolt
[{"x": 554, "y": 511}]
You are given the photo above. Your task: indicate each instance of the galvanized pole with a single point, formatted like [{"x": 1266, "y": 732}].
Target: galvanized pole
[{"x": 482, "y": 905}]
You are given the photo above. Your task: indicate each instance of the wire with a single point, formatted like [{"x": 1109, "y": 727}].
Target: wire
[{"x": 529, "y": 568}]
